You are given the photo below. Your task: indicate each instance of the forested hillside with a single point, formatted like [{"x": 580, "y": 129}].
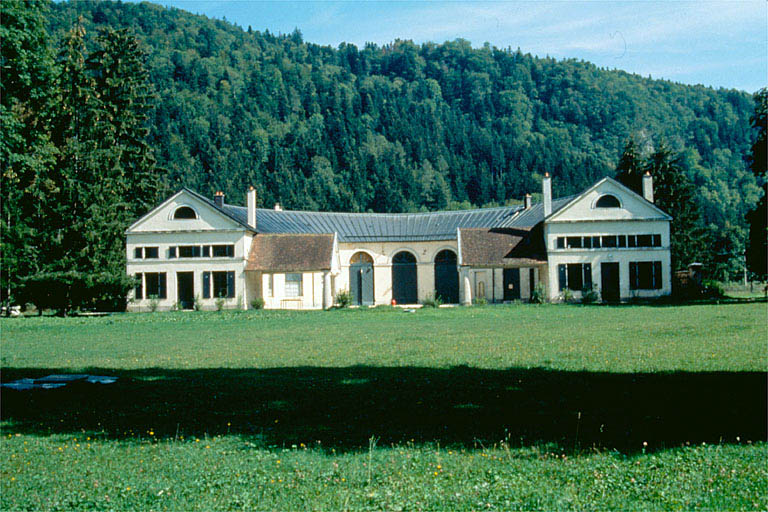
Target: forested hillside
[{"x": 404, "y": 127}]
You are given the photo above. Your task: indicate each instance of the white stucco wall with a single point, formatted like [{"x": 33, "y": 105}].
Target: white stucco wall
[
  {"x": 382, "y": 254},
  {"x": 595, "y": 257},
  {"x": 160, "y": 230},
  {"x": 311, "y": 288}
]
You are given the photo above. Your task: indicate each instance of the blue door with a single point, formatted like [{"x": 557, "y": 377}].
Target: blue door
[
  {"x": 361, "y": 279},
  {"x": 447, "y": 277},
  {"x": 404, "y": 278}
]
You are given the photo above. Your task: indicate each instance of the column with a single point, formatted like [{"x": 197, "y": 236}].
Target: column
[{"x": 327, "y": 292}]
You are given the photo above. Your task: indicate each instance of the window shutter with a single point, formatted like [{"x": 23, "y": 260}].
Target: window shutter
[
  {"x": 657, "y": 279},
  {"x": 562, "y": 277},
  {"x": 206, "y": 251},
  {"x": 206, "y": 285},
  {"x": 138, "y": 292},
  {"x": 231, "y": 251},
  {"x": 230, "y": 284},
  {"x": 172, "y": 252},
  {"x": 161, "y": 286},
  {"x": 196, "y": 251},
  {"x": 588, "y": 276}
]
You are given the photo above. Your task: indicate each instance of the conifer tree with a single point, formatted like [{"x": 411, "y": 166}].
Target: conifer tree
[
  {"x": 757, "y": 248},
  {"x": 629, "y": 170}
]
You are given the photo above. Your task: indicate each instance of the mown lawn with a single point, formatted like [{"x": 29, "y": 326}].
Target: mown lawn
[{"x": 492, "y": 408}]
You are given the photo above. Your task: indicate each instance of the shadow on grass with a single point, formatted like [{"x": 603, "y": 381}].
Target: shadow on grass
[{"x": 343, "y": 407}]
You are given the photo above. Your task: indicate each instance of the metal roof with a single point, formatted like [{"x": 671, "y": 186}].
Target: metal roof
[
  {"x": 388, "y": 227},
  {"x": 532, "y": 216},
  {"x": 375, "y": 227}
]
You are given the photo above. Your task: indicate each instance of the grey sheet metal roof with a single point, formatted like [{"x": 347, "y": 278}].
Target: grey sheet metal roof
[
  {"x": 386, "y": 227},
  {"x": 534, "y": 215},
  {"x": 375, "y": 227}
]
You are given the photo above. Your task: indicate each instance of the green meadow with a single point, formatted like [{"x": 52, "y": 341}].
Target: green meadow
[{"x": 481, "y": 408}]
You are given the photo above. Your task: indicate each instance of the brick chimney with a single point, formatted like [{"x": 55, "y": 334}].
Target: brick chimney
[
  {"x": 252, "y": 207},
  {"x": 218, "y": 198},
  {"x": 648, "y": 187},
  {"x": 527, "y": 201},
  {"x": 546, "y": 190}
]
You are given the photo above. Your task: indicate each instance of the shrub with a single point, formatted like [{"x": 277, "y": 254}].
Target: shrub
[
  {"x": 432, "y": 301},
  {"x": 220, "y": 303},
  {"x": 257, "y": 303},
  {"x": 153, "y": 302},
  {"x": 589, "y": 295},
  {"x": 713, "y": 290},
  {"x": 567, "y": 295},
  {"x": 343, "y": 299},
  {"x": 539, "y": 294},
  {"x": 197, "y": 305},
  {"x": 479, "y": 301},
  {"x": 70, "y": 291}
]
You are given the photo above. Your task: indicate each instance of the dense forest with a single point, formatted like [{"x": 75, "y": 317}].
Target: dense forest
[{"x": 400, "y": 127}]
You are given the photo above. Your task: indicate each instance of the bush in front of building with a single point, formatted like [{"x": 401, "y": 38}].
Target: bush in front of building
[
  {"x": 589, "y": 295},
  {"x": 432, "y": 301},
  {"x": 257, "y": 303},
  {"x": 343, "y": 299},
  {"x": 67, "y": 292},
  {"x": 539, "y": 294}
]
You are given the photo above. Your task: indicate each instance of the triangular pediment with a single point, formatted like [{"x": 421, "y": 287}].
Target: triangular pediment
[
  {"x": 161, "y": 218},
  {"x": 586, "y": 206}
]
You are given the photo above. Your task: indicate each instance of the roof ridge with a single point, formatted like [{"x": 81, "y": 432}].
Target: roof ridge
[{"x": 383, "y": 214}]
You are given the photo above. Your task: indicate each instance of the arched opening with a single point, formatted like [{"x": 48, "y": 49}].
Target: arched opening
[
  {"x": 183, "y": 213},
  {"x": 608, "y": 201},
  {"x": 361, "y": 279},
  {"x": 447, "y": 276},
  {"x": 404, "y": 278}
]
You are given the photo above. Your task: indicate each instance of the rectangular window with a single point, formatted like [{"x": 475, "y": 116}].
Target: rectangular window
[
  {"x": 561, "y": 242},
  {"x": 645, "y": 275},
  {"x": 189, "y": 251},
  {"x": 270, "y": 284},
  {"x": 172, "y": 252},
  {"x": 155, "y": 283},
  {"x": 293, "y": 285},
  {"x": 220, "y": 251},
  {"x": 622, "y": 240},
  {"x": 151, "y": 252},
  {"x": 656, "y": 240},
  {"x": 574, "y": 242},
  {"x": 575, "y": 276},
  {"x": 587, "y": 242},
  {"x": 609, "y": 241},
  {"x": 206, "y": 251},
  {"x": 138, "y": 253},
  {"x": 220, "y": 284},
  {"x": 644, "y": 240},
  {"x": 595, "y": 242},
  {"x": 631, "y": 241}
]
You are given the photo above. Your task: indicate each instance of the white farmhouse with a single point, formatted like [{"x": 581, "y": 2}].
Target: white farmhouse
[{"x": 193, "y": 252}]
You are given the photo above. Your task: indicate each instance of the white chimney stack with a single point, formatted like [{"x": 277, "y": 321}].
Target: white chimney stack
[
  {"x": 527, "y": 201},
  {"x": 648, "y": 187},
  {"x": 278, "y": 208},
  {"x": 546, "y": 190},
  {"x": 252, "y": 207}
]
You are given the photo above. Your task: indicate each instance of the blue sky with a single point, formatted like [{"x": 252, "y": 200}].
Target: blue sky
[{"x": 720, "y": 44}]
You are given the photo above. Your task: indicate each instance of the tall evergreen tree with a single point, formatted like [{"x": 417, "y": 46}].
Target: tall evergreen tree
[
  {"x": 757, "y": 248},
  {"x": 630, "y": 168},
  {"x": 26, "y": 153},
  {"x": 675, "y": 194}
]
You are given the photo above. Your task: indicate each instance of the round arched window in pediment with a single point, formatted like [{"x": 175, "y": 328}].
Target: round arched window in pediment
[
  {"x": 608, "y": 201},
  {"x": 184, "y": 213}
]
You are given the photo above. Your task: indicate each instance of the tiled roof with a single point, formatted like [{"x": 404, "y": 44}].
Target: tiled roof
[
  {"x": 499, "y": 247},
  {"x": 290, "y": 252}
]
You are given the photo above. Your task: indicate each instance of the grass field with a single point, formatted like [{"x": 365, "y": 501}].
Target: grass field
[{"x": 507, "y": 407}]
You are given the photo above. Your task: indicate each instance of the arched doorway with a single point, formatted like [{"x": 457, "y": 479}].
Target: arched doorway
[
  {"x": 447, "y": 276},
  {"x": 404, "y": 278},
  {"x": 361, "y": 279}
]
